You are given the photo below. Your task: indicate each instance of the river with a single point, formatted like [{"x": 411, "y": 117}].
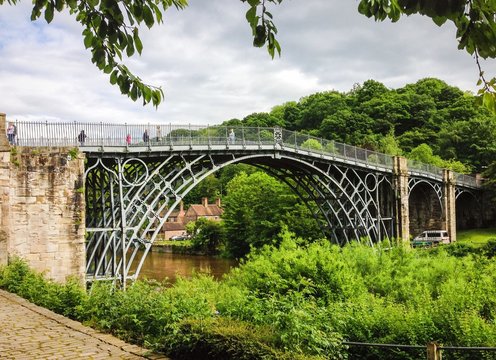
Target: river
[{"x": 159, "y": 265}]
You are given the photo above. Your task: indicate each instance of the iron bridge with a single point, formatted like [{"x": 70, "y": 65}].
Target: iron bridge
[{"x": 136, "y": 175}]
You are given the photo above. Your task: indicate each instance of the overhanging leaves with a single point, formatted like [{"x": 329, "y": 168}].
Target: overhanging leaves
[{"x": 111, "y": 28}]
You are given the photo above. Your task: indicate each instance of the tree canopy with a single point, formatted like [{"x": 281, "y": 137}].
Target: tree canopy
[{"x": 395, "y": 121}]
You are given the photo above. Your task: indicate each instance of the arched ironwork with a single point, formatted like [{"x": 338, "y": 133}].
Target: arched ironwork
[
  {"x": 435, "y": 185},
  {"x": 129, "y": 198}
]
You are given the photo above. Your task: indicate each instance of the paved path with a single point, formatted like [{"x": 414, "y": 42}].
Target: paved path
[{"x": 30, "y": 332}]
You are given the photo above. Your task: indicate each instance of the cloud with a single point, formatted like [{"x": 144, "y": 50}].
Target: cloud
[{"x": 203, "y": 59}]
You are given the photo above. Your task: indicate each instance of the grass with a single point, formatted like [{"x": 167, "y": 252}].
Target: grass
[
  {"x": 184, "y": 243},
  {"x": 476, "y": 237}
]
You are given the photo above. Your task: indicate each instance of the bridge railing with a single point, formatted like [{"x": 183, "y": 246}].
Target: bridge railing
[
  {"x": 336, "y": 149},
  {"x": 132, "y": 135},
  {"x": 467, "y": 180},
  {"x": 423, "y": 168}
]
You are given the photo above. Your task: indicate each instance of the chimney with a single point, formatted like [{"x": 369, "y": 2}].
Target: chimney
[
  {"x": 205, "y": 202},
  {"x": 180, "y": 215},
  {"x": 217, "y": 202}
]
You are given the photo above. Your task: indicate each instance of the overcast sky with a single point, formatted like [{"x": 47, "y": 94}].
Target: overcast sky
[{"x": 203, "y": 59}]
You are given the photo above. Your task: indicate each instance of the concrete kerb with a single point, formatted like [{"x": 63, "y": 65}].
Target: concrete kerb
[{"x": 78, "y": 327}]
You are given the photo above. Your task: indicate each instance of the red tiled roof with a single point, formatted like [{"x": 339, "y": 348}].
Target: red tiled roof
[
  {"x": 171, "y": 226},
  {"x": 200, "y": 210}
]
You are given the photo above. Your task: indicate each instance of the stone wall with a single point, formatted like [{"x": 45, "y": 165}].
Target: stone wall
[{"x": 43, "y": 210}]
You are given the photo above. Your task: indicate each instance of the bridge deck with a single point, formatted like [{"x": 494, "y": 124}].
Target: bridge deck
[{"x": 148, "y": 139}]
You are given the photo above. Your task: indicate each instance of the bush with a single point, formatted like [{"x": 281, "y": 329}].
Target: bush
[
  {"x": 489, "y": 249},
  {"x": 65, "y": 299},
  {"x": 295, "y": 302},
  {"x": 228, "y": 339}
]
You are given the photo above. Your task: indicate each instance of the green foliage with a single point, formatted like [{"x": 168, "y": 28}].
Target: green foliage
[
  {"x": 371, "y": 295},
  {"x": 73, "y": 153},
  {"x": 424, "y": 154},
  {"x": 208, "y": 235},
  {"x": 111, "y": 29},
  {"x": 254, "y": 208},
  {"x": 389, "y": 145},
  {"x": 311, "y": 144},
  {"x": 489, "y": 249},
  {"x": 64, "y": 299},
  {"x": 295, "y": 302},
  {"x": 228, "y": 339},
  {"x": 208, "y": 187}
]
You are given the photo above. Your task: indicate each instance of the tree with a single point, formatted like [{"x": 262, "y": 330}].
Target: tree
[
  {"x": 311, "y": 144},
  {"x": 254, "y": 208},
  {"x": 316, "y": 107},
  {"x": 208, "y": 187},
  {"x": 208, "y": 235}
]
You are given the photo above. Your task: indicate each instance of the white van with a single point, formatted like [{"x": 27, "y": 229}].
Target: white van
[{"x": 431, "y": 238}]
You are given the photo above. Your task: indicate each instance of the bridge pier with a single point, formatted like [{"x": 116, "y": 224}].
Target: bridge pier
[
  {"x": 402, "y": 193},
  {"x": 449, "y": 203}
]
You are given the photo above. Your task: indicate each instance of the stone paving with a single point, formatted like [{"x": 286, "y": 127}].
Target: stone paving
[{"x": 30, "y": 332}]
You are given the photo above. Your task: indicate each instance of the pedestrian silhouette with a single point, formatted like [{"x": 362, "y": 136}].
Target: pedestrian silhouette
[
  {"x": 82, "y": 137},
  {"x": 11, "y": 133}
]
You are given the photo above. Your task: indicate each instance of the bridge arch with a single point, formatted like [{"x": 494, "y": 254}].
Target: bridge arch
[
  {"x": 129, "y": 199},
  {"x": 468, "y": 210},
  {"x": 425, "y": 205}
]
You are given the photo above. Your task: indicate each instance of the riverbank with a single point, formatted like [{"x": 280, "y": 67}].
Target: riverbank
[{"x": 174, "y": 248}]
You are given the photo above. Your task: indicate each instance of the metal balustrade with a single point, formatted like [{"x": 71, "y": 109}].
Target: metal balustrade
[{"x": 108, "y": 135}]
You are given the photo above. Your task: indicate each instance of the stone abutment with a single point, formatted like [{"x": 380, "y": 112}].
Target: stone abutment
[{"x": 42, "y": 210}]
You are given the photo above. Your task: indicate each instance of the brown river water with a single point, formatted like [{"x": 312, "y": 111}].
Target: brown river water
[{"x": 159, "y": 266}]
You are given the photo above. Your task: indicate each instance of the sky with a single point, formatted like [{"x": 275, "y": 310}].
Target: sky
[{"x": 203, "y": 59}]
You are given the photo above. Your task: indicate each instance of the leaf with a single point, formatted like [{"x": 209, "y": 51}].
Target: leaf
[
  {"x": 88, "y": 39},
  {"x": 439, "y": 20},
  {"x": 130, "y": 46},
  {"x": 488, "y": 101},
  {"x": 148, "y": 16},
  {"x": 134, "y": 92},
  {"x": 108, "y": 68},
  {"x": 49, "y": 12},
  {"x": 113, "y": 77},
  {"x": 59, "y": 5},
  {"x": 137, "y": 41},
  {"x": 251, "y": 16}
]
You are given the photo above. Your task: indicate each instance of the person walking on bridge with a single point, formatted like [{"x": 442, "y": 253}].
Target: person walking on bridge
[
  {"x": 82, "y": 138},
  {"x": 232, "y": 137},
  {"x": 11, "y": 133}
]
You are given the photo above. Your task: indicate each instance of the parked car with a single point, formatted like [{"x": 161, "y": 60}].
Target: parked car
[
  {"x": 180, "y": 237},
  {"x": 431, "y": 238}
]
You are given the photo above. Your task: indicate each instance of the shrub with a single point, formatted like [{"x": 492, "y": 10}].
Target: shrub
[
  {"x": 228, "y": 339},
  {"x": 65, "y": 299}
]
